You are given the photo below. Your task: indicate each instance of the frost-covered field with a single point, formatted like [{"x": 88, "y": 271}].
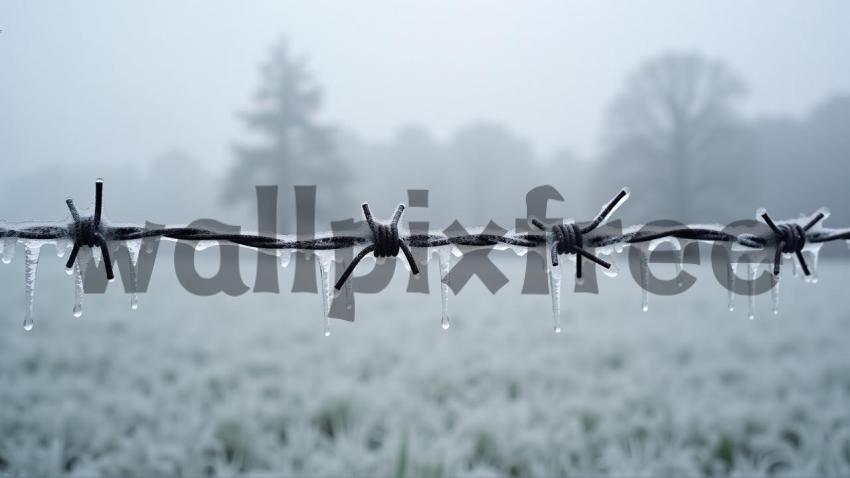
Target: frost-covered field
[{"x": 248, "y": 385}]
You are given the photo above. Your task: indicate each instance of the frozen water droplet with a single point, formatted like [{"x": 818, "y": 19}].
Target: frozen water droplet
[
  {"x": 284, "y": 256},
  {"x": 28, "y": 324},
  {"x": 644, "y": 281},
  {"x": 444, "y": 259},
  {"x": 205, "y": 244},
  {"x": 31, "y": 252},
  {"x": 774, "y": 295},
  {"x": 325, "y": 260},
  {"x": 134, "y": 247},
  {"x": 61, "y": 247},
  {"x": 811, "y": 253},
  {"x": 557, "y": 330},
  {"x": 79, "y": 270},
  {"x": 752, "y": 271},
  {"x": 554, "y": 282},
  {"x": 731, "y": 268},
  {"x": 8, "y": 249},
  {"x": 349, "y": 294}
]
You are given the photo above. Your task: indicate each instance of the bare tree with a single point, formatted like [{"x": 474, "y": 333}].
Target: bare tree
[{"x": 675, "y": 128}]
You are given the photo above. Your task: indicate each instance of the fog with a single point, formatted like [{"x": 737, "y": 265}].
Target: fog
[
  {"x": 706, "y": 110},
  {"x": 111, "y": 82}
]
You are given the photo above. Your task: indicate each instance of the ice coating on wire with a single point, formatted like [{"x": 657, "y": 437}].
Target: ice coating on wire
[{"x": 92, "y": 234}]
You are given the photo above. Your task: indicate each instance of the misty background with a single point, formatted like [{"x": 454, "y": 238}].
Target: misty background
[{"x": 706, "y": 111}]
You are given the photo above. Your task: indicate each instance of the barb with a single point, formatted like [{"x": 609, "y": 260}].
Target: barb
[
  {"x": 384, "y": 240},
  {"x": 385, "y": 243},
  {"x": 790, "y": 239},
  {"x": 570, "y": 237},
  {"x": 88, "y": 231}
]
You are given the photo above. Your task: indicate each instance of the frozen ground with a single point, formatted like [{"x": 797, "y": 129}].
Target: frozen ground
[{"x": 248, "y": 385}]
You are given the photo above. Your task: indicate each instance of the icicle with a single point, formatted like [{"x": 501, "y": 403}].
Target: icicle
[
  {"x": 555, "y": 293},
  {"x": 8, "y": 249},
  {"x": 134, "y": 247},
  {"x": 752, "y": 270},
  {"x": 554, "y": 283},
  {"x": 774, "y": 295},
  {"x": 79, "y": 270},
  {"x": 810, "y": 253},
  {"x": 444, "y": 257},
  {"x": 97, "y": 255},
  {"x": 731, "y": 270},
  {"x": 61, "y": 247},
  {"x": 349, "y": 294},
  {"x": 31, "y": 251},
  {"x": 284, "y": 256},
  {"x": 325, "y": 261},
  {"x": 644, "y": 281},
  {"x": 680, "y": 259}
]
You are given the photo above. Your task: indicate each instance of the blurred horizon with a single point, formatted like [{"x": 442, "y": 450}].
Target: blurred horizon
[
  {"x": 705, "y": 110},
  {"x": 163, "y": 111}
]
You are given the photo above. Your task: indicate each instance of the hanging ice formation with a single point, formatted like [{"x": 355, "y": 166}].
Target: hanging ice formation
[
  {"x": 91, "y": 240},
  {"x": 790, "y": 243},
  {"x": 444, "y": 258},
  {"x": 569, "y": 239},
  {"x": 324, "y": 261}
]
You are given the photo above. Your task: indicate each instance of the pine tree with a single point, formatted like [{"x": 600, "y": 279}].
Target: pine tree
[{"x": 296, "y": 149}]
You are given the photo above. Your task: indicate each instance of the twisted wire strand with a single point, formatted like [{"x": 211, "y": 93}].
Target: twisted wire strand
[{"x": 385, "y": 240}]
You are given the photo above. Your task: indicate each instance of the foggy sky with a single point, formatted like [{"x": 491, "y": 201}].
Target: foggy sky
[{"x": 113, "y": 82}]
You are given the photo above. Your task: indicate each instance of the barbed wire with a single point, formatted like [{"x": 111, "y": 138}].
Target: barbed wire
[
  {"x": 385, "y": 240},
  {"x": 580, "y": 239}
]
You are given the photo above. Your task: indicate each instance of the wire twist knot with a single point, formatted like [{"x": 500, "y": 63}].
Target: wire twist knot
[
  {"x": 385, "y": 243},
  {"x": 790, "y": 239},
  {"x": 569, "y": 238},
  {"x": 89, "y": 231}
]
